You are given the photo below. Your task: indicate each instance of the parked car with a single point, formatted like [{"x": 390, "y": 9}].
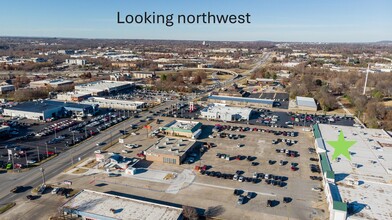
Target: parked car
[
  {"x": 241, "y": 199},
  {"x": 55, "y": 190},
  {"x": 237, "y": 192},
  {"x": 317, "y": 189}
]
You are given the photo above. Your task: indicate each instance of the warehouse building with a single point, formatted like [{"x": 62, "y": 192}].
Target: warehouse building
[
  {"x": 72, "y": 96},
  {"x": 188, "y": 129},
  {"x": 241, "y": 101},
  {"x": 88, "y": 205},
  {"x": 170, "y": 150},
  {"x": 358, "y": 187},
  {"x": 56, "y": 83},
  {"x": 46, "y": 109},
  {"x": 225, "y": 113},
  {"x": 116, "y": 103},
  {"x": 104, "y": 87},
  {"x": 303, "y": 103}
]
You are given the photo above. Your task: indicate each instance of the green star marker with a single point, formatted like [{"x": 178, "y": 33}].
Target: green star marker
[{"x": 341, "y": 146}]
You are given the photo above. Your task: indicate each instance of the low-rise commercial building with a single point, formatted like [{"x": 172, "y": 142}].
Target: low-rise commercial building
[
  {"x": 170, "y": 150},
  {"x": 46, "y": 109},
  {"x": 88, "y": 204},
  {"x": 169, "y": 66},
  {"x": 72, "y": 96},
  {"x": 78, "y": 62},
  {"x": 179, "y": 128},
  {"x": 55, "y": 83},
  {"x": 241, "y": 101},
  {"x": 116, "y": 103},
  {"x": 6, "y": 89},
  {"x": 143, "y": 75},
  {"x": 303, "y": 104},
  {"x": 357, "y": 187},
  {"x": 104, "y": 87},
  {"x": 225, "y": 113}
]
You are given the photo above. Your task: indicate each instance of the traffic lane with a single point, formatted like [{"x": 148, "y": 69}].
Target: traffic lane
[
  {"x": 60, "y": 163},
  {"x": 38, "y": 148}
]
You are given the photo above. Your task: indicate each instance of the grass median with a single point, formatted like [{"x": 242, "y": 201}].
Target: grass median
[{"x": 6, "y": 207}]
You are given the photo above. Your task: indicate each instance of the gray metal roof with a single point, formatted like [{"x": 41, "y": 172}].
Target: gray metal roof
[
  {"x": 241, "y": 99},
  {"x": 306, "y": 101}
]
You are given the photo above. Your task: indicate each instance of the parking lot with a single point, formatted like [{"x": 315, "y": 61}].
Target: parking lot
[
  {"x": 37, "y": 141},
  {"x": 268, "y": 118},
  {"x": 278, "y": 158},
  {"x": 148, "y": 96}
]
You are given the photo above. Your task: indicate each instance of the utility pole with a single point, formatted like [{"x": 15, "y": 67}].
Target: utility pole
[{"x": 366, "y": 80}]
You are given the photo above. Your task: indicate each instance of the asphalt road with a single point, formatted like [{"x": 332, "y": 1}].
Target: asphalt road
[{"x": 53, "y": 167}]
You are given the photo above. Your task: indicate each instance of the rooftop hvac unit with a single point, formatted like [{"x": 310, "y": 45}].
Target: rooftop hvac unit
[
  {"x": 170, "y": 149},
  {"x": 177, "y": 151}
]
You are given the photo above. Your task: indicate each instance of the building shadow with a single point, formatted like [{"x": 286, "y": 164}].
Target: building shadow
[
  {"x": 354, "y": 208},
  {"x": 340, "y": 176}
]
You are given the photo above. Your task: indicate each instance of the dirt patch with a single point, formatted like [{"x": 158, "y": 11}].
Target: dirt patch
[
  {"x": 80, "y": 171},
  {"x": 91, "y": 164}
]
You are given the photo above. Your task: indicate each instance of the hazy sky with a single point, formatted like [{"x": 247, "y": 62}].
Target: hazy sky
[{"x": 274, "y": 20}]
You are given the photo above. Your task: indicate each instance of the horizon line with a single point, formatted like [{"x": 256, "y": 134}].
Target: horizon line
[{"x": 156, "y": 39}]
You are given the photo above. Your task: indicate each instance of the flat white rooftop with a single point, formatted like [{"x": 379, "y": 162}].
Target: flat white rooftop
[
  {"x": 186, "y": 125},
  {"x": 222, "y": 109},
  {"x": 102, "y": 85},
  {"x": 101, "y": 100},
  {"x": 366, "y": 180},
  {"x": 99, "y": 204}
]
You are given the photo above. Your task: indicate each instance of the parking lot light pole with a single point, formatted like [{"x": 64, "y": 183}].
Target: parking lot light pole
[
  {"x": 55, "y": 150},
  {"x": 39, "y": 158},
  {"x": 43, "y": 175},
  {"x": 47, "y": 152},
  {"x": 27, "y": 164}
]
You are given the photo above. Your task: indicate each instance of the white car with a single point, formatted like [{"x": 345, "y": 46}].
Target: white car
[
  {"x": 317, "y": 189},
  {"x": 55, "y": 190},
  {"x": 126, "y": 151},
  {"x": 31, "y": 161},
  {"x": 98, "y": 151},
  {"x": 130, "y": 146},
  {"x": 241, "y": 179}
]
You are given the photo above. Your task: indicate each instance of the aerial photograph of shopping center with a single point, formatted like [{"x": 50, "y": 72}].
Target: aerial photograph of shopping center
[{"x": 288, "y": 116}]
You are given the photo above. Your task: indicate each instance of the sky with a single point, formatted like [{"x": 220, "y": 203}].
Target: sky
[{"x": 273, "y": 20}]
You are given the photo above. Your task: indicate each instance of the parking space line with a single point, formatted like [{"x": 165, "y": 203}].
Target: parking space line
[{"x": 232, "y": 189}]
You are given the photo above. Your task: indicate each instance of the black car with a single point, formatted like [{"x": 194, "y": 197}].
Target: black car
[
  {"x": 237, "y": 192},
  {"x": 287, "y": 199},
  {"x": 30, "y": 197},
  {"x": 17, "y": 189}
]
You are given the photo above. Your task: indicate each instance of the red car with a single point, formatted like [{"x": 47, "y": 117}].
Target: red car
[{"x": 50, "y": 153}]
